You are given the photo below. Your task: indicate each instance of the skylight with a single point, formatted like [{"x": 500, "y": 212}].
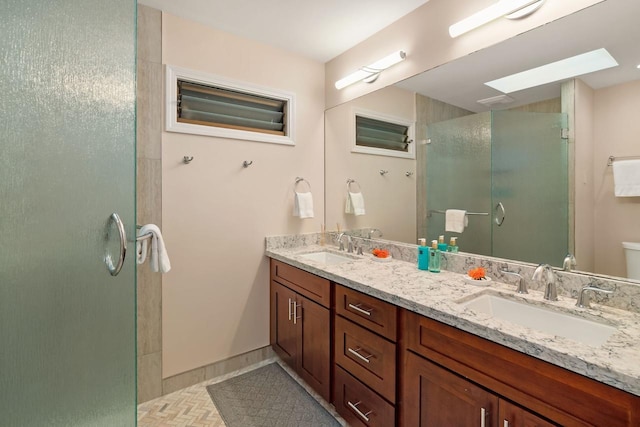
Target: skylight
[{"x": 574, "y": 66}]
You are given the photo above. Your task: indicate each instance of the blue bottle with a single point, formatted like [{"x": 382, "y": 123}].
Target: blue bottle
[{"x": 423, "y": 255}]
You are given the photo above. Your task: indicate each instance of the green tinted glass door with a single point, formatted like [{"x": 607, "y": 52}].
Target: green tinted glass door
[
  {"x": 530, "y": 180},
  {"x": 67, "y": 162},
  {"x": 459, "y": 177}
]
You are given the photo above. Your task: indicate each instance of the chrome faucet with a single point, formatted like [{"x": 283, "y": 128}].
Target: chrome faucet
[
  {"x": 569, "y": 262},
  {"x": 544, "y": 274},
  {"x": 373, "y": 230},
  {"x": 583, "y": 296},
  {"x": 349, "y": 242},
  {"x": 522, "y": 286}
]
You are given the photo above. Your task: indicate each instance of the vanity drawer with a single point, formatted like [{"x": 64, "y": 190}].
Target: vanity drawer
[
  {"x": 358, "y": 405},
  {"x": 372, "y": 313},
  {"x": 367, "y": 356},
  {"x": 311, "y": 286}
]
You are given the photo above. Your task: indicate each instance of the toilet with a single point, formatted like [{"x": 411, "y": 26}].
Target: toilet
[{"x": 632, "y": 254}]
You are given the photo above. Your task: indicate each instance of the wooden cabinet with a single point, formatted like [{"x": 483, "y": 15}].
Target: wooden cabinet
[
  {"x": 395, "y": 367},
  {"x": 511, "y": 415},
  {"x": 548, "y": 392},
  {"x": 436, "y": 397},
  {"x": 365, "y": 358},
  {"x": 299, "y": 327}
]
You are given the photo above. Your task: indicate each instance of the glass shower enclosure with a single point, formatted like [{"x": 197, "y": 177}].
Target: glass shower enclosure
[
  {"x": 509, "y": 171},
  {"x": 67, "y": 165}
]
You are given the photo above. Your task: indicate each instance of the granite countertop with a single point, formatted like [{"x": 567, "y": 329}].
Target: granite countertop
[{"x": 439, "y": 296}]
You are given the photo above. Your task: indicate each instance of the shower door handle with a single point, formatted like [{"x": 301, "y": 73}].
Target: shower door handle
[
  {"x": 500, "y": 220},
  {"x": 115, "y": 270}
]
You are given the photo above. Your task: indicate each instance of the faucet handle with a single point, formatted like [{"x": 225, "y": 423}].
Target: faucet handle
[
  {"x": 569, "y": 262},
  {"x": 522, "y": 286},
  {"x": 583, "y": 296}
]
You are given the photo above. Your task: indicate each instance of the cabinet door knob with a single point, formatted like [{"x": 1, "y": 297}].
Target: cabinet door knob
[{"x": 354, "y": 406}]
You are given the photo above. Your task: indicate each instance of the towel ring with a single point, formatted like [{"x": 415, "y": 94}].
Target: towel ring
[
  {"x": 353, "y": 181},
  {"x": 299, "y": 180}
]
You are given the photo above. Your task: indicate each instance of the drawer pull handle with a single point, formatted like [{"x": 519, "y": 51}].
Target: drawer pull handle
[
  {"x": 289, "y": 308},
  {"x": 483, "y": 417},
  {"x": 358, "y": 355},
  {"x": 506, "y": 423},
  {"x": 354, "y": 406},
  {"x": 358, "y": 308}
]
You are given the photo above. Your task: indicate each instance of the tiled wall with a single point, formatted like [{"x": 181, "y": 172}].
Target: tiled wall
[{"x": 149, "y": 197}]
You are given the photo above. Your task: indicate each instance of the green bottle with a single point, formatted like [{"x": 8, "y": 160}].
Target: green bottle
[{"x": 434, "y": 257}]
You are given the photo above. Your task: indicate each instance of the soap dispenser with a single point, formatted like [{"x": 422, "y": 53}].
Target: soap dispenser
[
  {"x": 453, "y": 245},
  {"x": 442, "y": 246},
  {"x": 434, "y": 257},
  {"x": 423, "y": 255}
]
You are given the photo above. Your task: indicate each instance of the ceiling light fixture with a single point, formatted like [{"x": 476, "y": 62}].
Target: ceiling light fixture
[
  {"x": 370, "y": 73},
  {"x": 512, "y": 9},
  {"x": 574, "y": 66}
]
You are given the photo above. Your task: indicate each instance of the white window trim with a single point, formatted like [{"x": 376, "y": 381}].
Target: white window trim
[
  {"x": 411, "y": 150},
  {"x": 172, "y": 125}
]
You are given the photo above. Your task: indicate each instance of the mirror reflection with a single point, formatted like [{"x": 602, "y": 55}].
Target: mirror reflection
[{"x": 535, "y": 159}]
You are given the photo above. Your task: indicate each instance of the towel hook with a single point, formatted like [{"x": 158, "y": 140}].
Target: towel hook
[
  {"x": 246, "y": 164},
  {"x": 383, "y": 172},
  {"x": 187, "y": 159}
]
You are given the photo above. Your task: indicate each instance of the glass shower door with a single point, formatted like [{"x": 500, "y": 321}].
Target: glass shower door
[
  {"x": 67, "y": 163},
  {"x": 458, "y": 174},
  {"x": 530, "y": 183}
]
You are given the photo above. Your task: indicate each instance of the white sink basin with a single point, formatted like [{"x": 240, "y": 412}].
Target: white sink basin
[
  {"x": 327, "y": 258},
  {"x": 549, "y": 321}
]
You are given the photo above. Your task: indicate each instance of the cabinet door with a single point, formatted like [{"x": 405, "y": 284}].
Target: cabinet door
[
  {"x": 435, "y": 397},
  {"x": 512, "y": 415},
  {"x": 283, "y": 330},
  {"x": 314, "y": 355}
]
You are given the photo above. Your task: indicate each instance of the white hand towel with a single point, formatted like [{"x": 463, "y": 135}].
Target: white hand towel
[
  {"x": 158, "y": 259},
  {"x": 455, "y": 220},
  {"x": 626, "y": 178},
  {"x": 142, "y": 248},
  {"x": 303, "y": 205},
  {"x": 355, "y": 204}
]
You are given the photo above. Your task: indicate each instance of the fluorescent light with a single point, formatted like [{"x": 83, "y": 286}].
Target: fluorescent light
[
  {"x": 372, "y": 70},
  {"x": 491, "y": 13},
  {"x": 578, "y": 65}
]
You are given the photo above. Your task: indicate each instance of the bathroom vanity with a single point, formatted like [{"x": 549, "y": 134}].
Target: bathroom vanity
[{"x": 393, "y": 345}]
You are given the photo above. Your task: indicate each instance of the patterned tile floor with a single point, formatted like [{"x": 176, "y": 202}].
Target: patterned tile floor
[{"x": 192, "y": 406}]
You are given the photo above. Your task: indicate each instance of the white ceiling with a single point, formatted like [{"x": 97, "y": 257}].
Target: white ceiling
[{"x": 319, "y": 29}]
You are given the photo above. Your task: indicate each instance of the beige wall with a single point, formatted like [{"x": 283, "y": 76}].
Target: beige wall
[
  {"x": 616, "y": 131},
  {"x": 390, "y": 201},
  {"x": 583, "y": 196},
  {"x": 149, "y": 198},
  {"x": 216, "y": 213},
  {"x": 424, "y": 36}
]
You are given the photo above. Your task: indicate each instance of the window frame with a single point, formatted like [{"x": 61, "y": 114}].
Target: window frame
[
  {"x": 355, "y": 148},
  {"x": 173, "y": 74}
]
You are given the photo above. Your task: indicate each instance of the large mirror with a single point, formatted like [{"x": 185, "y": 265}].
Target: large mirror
[{"x": 600, "y": 111}]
